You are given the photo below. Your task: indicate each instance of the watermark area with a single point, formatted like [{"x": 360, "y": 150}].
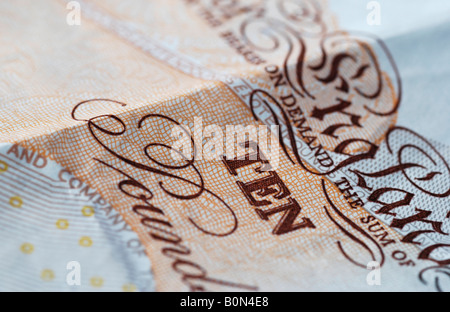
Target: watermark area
[
  {"x": 234, "y": 142},
  {"x": 374, "y": 16},
  {"x": 374, "y": 276},
  {"x": 73, "y": 277},
  {"x": 73, "y": 18}
]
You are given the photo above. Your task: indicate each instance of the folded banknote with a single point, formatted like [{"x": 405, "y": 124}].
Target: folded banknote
[{"x": 224, "y": 145}]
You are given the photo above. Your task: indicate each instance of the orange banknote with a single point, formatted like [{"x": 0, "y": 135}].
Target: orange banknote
[{"x": 208, "y": 145}]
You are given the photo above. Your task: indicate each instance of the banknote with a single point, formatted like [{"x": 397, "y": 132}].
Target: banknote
[{"x": 212, "y": 145}]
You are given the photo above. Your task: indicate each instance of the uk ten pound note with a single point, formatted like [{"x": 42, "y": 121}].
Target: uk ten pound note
[{"x": 204, "y": 145}]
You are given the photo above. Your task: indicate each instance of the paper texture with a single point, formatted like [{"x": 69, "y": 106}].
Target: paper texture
[{"x": 358, "y": 177}]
